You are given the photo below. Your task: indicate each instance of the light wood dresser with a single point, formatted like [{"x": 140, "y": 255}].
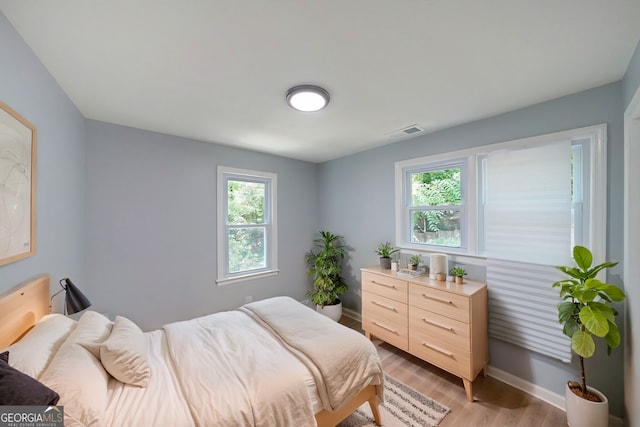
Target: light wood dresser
[{"x": 442, "y": 323}]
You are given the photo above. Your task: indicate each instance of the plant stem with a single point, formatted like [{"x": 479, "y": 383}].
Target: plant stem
[{"x": 582, "y": 376}]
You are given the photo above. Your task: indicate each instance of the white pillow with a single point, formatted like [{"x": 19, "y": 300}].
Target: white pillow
[
  {"x": 35, "y": 350},
  {"x": 77, "y": 376},
  {"x": 124, "y": 353}
]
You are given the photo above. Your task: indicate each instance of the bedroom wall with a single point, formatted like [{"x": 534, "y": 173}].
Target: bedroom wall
[
  {"x": 631, "y": 80},
  {"x": 357, "y": 200},
  {"x": 151, "y": 225},
  {"x": 27, "y": 87},
  {"x": 631, "y": 86}
]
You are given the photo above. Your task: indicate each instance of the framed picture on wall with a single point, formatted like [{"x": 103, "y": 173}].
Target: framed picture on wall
[{"x": 18, "y": 140}]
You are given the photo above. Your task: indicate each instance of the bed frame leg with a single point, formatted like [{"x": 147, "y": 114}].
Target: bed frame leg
[{"x": 373, "y": 403}]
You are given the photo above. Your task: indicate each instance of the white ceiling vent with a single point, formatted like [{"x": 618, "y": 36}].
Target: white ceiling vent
[{"x": 408, "y": 131}]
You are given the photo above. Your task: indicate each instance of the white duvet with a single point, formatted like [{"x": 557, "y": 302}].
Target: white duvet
[{"x": 235, "y": 369}]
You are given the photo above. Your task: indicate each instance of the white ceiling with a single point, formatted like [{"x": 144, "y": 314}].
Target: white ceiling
[{"x": 218, "y": 70}]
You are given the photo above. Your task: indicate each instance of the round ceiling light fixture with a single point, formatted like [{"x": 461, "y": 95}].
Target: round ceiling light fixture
[{"x": 307, "y": 98}]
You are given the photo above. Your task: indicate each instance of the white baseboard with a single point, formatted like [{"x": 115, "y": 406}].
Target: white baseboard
[
  {"x": 352, "y": 314},
  {"x": 541, "y": 393}
]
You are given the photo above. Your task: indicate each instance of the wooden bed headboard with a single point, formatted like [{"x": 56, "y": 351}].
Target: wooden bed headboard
[{"x": 22, "y": 307}]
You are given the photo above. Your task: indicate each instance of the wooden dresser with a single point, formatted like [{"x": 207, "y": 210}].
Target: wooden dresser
[{"x": 440, "y": 322}]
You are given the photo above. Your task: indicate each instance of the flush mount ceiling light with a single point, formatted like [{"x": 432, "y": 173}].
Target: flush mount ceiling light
[{"x": 307, "y": 98}]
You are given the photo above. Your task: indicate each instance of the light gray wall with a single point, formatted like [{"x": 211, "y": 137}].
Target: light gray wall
[
  {"x": 631, "y": 80},
  {"x": 357, "y": 200},
  {"x": 631, "y": 85},
  {"x": 151, "y": 224},
  {"x": 27, "y": 87}
]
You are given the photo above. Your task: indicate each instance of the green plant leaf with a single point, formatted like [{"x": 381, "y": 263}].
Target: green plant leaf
[
  {"x": 613, "y": 337},
  {"x": 572, "y": 271},
  {"x": 583, "y": 257},
  {"x": 595, "y": 270},
  {"x": 567, "y": 310},
  {"x": 612, "y": 291},
  {"x": 571, "y": 326},
  {"x": 594, "y": 320},
  {"x": 582, "y": 343}
]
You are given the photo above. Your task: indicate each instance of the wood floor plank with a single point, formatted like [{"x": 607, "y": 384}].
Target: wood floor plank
[{"x": 496, "y": 403}]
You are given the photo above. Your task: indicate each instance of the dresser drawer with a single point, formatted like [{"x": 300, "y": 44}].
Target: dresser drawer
[
  {"x": 442, "y": 331},
  {"x": 456, "y": 362},
  {"x": 387, "y": 332},
  {"x": 386, "y": 319},
  {"x": 441, "y": 302},
  {"x": 381, "y": 308},
  {"x": 389, "y": 287}
]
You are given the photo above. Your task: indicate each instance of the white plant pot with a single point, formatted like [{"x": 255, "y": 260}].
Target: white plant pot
[
  {"x": 584, "y": 413},
  {"x": 333, "y": 312}
]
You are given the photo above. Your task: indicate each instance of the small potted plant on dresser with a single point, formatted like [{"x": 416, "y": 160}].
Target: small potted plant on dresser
[
  {"x": 586, "y": 312},
  {"x": 385, "y": 250},
  {"x": 414, "y": 261},
  {"x": 325, "y": 267},
  {"x": 459, "y": 273}
]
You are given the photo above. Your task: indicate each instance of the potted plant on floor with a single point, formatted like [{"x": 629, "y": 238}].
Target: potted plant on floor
[
  {"x": 385, "y": 250},
  {"x": 325, "y": 267},
  {"x": 587, "y": 311}
]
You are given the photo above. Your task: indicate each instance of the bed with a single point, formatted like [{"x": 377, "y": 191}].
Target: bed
[{"x": 273, "y": 362}]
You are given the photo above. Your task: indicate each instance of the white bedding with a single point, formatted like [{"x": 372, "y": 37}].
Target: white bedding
[{"x": 232, "y": 369}]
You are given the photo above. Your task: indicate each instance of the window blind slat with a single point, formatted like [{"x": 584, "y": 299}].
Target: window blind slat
[{"x": 517, "y": 317}]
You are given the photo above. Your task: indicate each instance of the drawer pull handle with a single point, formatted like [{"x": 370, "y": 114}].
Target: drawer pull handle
[
  {"x": 446, "y": 301},
  {"x": 448, "y": 328},
  {"x": 383, "y": 284},
  {"x": 388, "y": 307},
  {"x": 438, "y": 349},
  {"x": 385, "y": 327}
]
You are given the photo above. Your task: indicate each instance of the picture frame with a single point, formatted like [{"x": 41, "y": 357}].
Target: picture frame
[{"x": 18, "y": 155}]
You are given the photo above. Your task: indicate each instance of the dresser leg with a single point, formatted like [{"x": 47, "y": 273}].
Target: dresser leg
[
  {"x": 368, "y": 335},
  {"x": 468, "y": 389}
]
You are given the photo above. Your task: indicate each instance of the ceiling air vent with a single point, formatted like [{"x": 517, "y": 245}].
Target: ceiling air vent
[{"x": 408, "y": 131}]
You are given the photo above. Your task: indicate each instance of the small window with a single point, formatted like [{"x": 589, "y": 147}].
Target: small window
[
  {"x": 246, "y": 224},
  {"x": 434, "y": 209}
]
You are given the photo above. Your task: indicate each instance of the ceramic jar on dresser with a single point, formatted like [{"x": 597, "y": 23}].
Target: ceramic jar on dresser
[{"x": 440, "y": 322}]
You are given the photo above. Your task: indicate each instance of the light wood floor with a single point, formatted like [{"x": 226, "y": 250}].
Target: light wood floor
[{"x": 496, "y": 403}]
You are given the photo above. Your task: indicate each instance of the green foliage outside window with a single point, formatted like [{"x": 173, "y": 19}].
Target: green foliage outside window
[
  {"x": 246, "y": 209},
  {"x": 437, "y": 189}
]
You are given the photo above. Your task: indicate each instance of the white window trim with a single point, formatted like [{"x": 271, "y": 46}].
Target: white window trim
[
  {"x": 272, "y": 244},
  {"x": 596, "y": 240}
]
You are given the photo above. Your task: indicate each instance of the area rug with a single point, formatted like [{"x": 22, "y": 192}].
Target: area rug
[{"x": 403, "y": 407}]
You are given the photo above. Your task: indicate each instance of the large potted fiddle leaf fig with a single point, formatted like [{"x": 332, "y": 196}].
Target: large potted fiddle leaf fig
[{"x": 587, "y": 312}]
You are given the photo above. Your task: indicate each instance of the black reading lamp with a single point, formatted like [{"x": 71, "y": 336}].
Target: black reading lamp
[{"x": 75, "y": 300}]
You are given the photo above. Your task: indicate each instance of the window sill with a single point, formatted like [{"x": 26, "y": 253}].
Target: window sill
[
  {"x": 230, "y": 280},
  {"x": 453, "y": 254}
]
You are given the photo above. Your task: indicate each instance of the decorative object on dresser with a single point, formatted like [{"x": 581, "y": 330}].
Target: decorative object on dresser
[
  {"x": 442, "y": 324},
  {"x": 414, "y": 261},
  {"x": 325, "y": 267},
  {"x": 587, "y": 311},
  {"x": 459, "y": 273},
  {"x": 385, "y": 250},
  {"x": 437, "y": 264},
  {"x": 74, "y": 299}
]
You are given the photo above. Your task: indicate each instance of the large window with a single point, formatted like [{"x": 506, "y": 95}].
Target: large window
[
  {"x": 246, "y": 224},
  {"x": 441, "y": 200}
]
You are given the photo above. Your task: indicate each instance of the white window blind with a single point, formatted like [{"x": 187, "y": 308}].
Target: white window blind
[
  {"x": 528, "y": 230},
  {"x": 529, "y": 204}
]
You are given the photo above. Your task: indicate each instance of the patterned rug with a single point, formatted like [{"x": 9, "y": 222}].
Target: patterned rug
[{"x": 403, "y": 407}]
